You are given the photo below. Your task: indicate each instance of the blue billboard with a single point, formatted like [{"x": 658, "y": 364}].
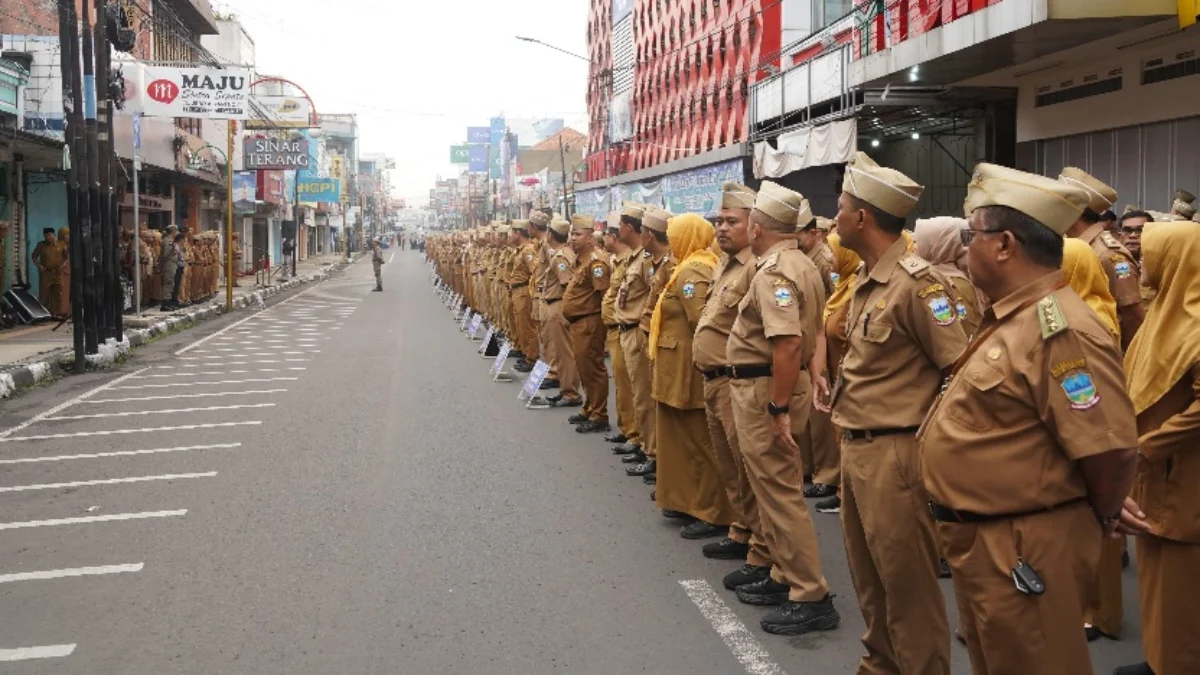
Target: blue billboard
[
  {"x": 478, "y": 160},
  {"x": 497, "y": 138},
  {"x": 319, "y": 189},
  {"x": 479, "y": 135}
]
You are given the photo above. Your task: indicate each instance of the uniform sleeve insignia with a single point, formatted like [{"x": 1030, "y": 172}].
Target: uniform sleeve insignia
[
  {"x": 652, "y": 270},
  {"x": 783, "y": 297},
  {"x": 961, "y": 308},
  {"x": 598, "y": 271},
  {"x": 1067, "y": 366},
  {"x": 931, "y": 289},
  {"x": 834, "y": 276},
  {"x": 1081, "y": 390},
  {"x": 1051, "y": 317},
  {"x": 689, "y": 290},
  {"x": 913, "y": 265},
  {"x": 562, "y": 267},
  {"x": 1124, "y": 270},
  {"x": 528, "y": 257},
  {"x": 943, "y": 313}
]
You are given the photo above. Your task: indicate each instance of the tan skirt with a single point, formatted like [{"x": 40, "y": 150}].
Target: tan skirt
[{"x": 688, "y": 479}]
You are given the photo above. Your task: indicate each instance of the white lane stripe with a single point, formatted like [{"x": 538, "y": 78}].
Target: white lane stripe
[
  {"x": 81, "y": 520},
  {"x": 117, "y": 432},
  {"x": 119, "y": 453},
  {"x": 135, "y": 413},
  {"x": 30, "y": 653},
  {"x": 105, "y": 481},
  {"x": 136, "y": 399},
  {"x": 746, "y": 649},
  {"x": 229, "y": 363},
  {"x": 221, "y": 372},
  {"x": 235, "y": 324},
  {"x": 201, "y": 384},
  {"x": 71, "y": 572},
  {"x": 67, "y": 404}
]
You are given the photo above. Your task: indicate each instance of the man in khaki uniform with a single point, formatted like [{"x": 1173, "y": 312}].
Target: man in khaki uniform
[
  {"x": 1119, "y": 265},
  {"x": 1029, "y": 453},
  {"x": 560, "y": 271},
  {"x": 539, "y": 222},
  {"x": 524, "y": 263},
  {"x": 903, "y": 333},
  {"x": 818, "y": 444},
  {"x": 581, "y": 308},
  {"x": 629, "y": 440},
  {"x": 731, "y": 280},
  {"x": 632, "y": 297},
  {"x": 773, "y": 340}
]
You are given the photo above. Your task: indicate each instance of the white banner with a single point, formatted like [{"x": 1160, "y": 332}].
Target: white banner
[
  {"x": 203, "y": 93},
  {"x": 280, "y": 111}
]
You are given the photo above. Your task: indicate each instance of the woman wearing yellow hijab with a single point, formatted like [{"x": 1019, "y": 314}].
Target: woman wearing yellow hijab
[
  {"x": 1163, "y": 373},
  {"x": 1084, "y": 274},
  {"x": 689, "y": 484},
  {"x": 845, "y": 265}
]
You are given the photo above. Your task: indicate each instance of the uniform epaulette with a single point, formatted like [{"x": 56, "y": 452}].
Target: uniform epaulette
[
  {"x": 770, "y": 261},
  {"x": 915, "y": 266},
  {"x": 1109, "y": 240},
  {"x": 1051, "y": 317}
]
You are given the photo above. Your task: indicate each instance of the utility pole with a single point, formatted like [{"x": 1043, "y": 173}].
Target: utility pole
[
  {"x": 563, "y": 163},
  {"x": 231, "y": 131},
  {"x": 113, "y": 298},
  {"x": 72, "y": 121},
  {"x": 92, "y": 293}
]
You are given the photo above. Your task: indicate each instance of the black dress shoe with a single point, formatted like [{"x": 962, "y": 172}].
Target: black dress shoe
[
  {"x": 675, "y": 515},
  {"x": 726, "y": 549},
  {"x": 578, "y": 419},
  {"x": 592, "y": 427},
  {"x": 819, "y": 491},
  {"x": 943, "y": 569},
  {"x": 648, "y": 466},
  {"x": 699, "y": 529},
  {"x": 626, "y": 449},
  {"x": 763, "y": 593},
  {"x": 560, "y": 402},
  {"x": 634, "y": 458},
  {"x": 1125, "y": 560},
  {"x": 1091, "y": 632},
  {"x": 650, "y": 479},
  {"x": 746, "y": 574},
  {"x": 517, "y": 354},
  {"x": 618, "y": 438},
  {"x": 831, "y": 505},
  {"x": 554, "y": 399},
  {"x": 549, "y": 384},
  {"x": 654, "y": 495},
  {"x": 798, "y": 618},
  {"x": 1136, "y": 669},
  {"x": 523, "y": 367}
]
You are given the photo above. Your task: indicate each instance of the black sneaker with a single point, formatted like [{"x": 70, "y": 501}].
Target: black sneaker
[
  {"x": 618, "y": 438},
  {"x": 1142, "y": 668},
  {"x": 819, "y": 491},
  {"x": 523, "y": 367},
  {"x": 943, "y": 569},
  {"x": 578, "y": 419},
  {"x": 593, "y": 427},
  {"x": 634, "y": 457},
  {"x": 626, "y": 449},
  {"x": 746, "y": 574},
  {"x": 798, "y": 618},
  {"x": 726, "y": 549},
  {"x": 560, "y": 402},
  {"x": 831, "y": 505},
  {"x": 642, "y": 469},
  {"x": 763, "y": 593},
  {"x": 549, "y": 384},
  {"x": 650, "y": 479},
  {"x": 675, "y": 515},
  {"x": 699, "y": 529}
]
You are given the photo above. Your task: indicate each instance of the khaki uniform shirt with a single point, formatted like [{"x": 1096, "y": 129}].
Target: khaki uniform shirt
[
  {"x": 524, "y": 263},
  {"x": 591, "y": 280},
  {"x": 903, "y": 331},
  {"x": 635, "y": 289},
  {"x": 731, "y": 281},
  {"x": 1124, "y": 277},
  {"x": 822, "y": 257},
  {"x": 785, "y": 298},
  {"x": 541, "y": 275},
  {"x": 560, "y": 273},
  {"x": 659, "y": 271},
  {"x": 675, "y": 381},
  {"x": 608, "y": 308},
  {"x": 1168, "y": 467},
  {"x": 1043, "y": 390}
]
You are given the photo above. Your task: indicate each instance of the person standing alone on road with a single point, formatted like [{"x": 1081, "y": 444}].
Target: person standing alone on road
[{"x": 377, "y": 262}]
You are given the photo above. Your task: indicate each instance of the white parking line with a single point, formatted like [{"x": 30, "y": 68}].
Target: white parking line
[
  {"x": 117, "y": 432},
  {"x": 119, "y": 453},
  {"x": 82, "y": 520},
  {"x": 201, "y": 384},
  {"x": 746, "y": 649},
  {"x": 67, "y": 404},
  {"x": 229, "y": 363},
  {"x": 173, "y": 397},
  {"x": 105, "y": 481},
  {"x": 218, "y": 372},
  {"x": 30, "y": 653},
  {"x": 135, "y": 413},
  {"x": 71, "y": 572}
]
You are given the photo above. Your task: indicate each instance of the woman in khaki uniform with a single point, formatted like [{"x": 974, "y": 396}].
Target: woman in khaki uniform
[
  {"x": 938, "y": 241},
  {"x": 689, "y": 481},
  {"x": 1163, "y": 366}
]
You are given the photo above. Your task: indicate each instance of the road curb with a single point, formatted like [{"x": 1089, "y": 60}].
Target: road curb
[{"x": 58, "y": 364}]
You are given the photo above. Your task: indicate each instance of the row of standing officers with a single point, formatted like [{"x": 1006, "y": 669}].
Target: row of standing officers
[{"x": 1000, "y": 442}]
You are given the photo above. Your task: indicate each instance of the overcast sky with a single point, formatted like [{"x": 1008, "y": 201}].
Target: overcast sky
[{"x": 419, "y": 72}]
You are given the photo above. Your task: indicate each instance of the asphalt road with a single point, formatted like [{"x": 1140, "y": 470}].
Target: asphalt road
[{"x": 335, "y": 485}]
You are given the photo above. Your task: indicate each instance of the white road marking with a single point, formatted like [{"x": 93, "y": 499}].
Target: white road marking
[
  {"x": 71, "y": 572},
  {"x": 235, "y": 324},
  {"x": 105, "y": 481},
  {"x": 30, "y": 653},
  {"x": 117, "y": 432},
  {"x": 173, "y": 397},
  {"x": 134, "y": 413},
  {"x": 746, "y": 649},
  {"x": 67, "y": 404},
  {"x": 219, "y": 372},
  {"x": 202, "y": 384},
  {"x": 119, "y": 453},
  {"x": 81, "y": 520},
  {"x": 229, "y": 363}
]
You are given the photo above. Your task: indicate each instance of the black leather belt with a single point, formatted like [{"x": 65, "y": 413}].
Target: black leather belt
[
  {"x": 945, "y": 514},
  {"x": 577, "y": 319},
  {"x": 716, "y": 373},
  {"x": 625, "y": 327},
  {"x": 516, "y": 286},
  {"x": 748, "y": 372},
  {"x": 868, "y": 434},
  {"x": 551, "y": 302}
]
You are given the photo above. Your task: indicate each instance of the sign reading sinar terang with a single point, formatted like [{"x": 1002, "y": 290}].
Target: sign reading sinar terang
[{"x": 276, "y": 154}]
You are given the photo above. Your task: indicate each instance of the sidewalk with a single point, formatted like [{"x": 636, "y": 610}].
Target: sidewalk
[{"x": 29, "y": 354}]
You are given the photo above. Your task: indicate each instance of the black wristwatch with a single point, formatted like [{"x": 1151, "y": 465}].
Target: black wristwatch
[{"x": 776, "y": 410}]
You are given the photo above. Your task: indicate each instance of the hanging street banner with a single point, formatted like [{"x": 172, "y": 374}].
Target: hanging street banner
[
  {"x": 497, "y": 130},
  {"x": 460, "y": 154},
  {"x": 478, "y": 159},
  {"x": 699, "y": 190},
  {"x": 479, "y": 135},
  {"x": 276, "y": 154},
  {"x": 288, "y": 112},
  {"x": 319, "y": 190},
  {"x": 202, "y": 93},
  {"x": 245, "y": 191}
]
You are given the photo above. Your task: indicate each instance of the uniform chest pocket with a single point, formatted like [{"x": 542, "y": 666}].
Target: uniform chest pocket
[
  {"x": 732, "y": 296},
  {"x": 875, "y": 332},
  {"x": 667, "y": 342},
  {"x": 973, "y": 404}
]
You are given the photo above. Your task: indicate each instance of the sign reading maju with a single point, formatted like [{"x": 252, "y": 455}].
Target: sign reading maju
[{"x": 273, "y": 154}]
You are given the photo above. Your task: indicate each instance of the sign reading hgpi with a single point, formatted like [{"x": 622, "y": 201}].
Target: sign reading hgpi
[{"x": 276, "y": 154}]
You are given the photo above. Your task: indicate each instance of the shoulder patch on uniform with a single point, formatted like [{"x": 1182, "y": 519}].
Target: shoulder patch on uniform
[
  {"x": 598, "y": 271},
  {"x": 931, "y": 289},
  {"x": 1051, "y": 317},
  {"x": 1123, "y": 268},
  {"x": 943, "y": 312},
  {"x": 913, "y": 265},
  {"x": 689, "y": 290},
  {"x": 834, "y": 277},
  {"x": 528, "y": 257},
  {"x": 562, "y": 267},
  {"x": 1081, "y": 390},
  {"x": 783, "y": 296},
  {"x": 1109, "y": 240}
]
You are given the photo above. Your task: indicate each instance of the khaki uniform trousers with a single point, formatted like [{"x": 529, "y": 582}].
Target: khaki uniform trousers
[
  {"x": 548, "y": 353},
  {"x": 1106, "y": 609},
  {"x": 526, "y": 333},
  {"x": 626, "y": 415},
  {"x": 893, "y": 557},
  {"x": 637, "y": 362},
  {"x": 587, "y": 343},
  {"x": 1170, "y": 612},
  {"x": 564, "y": 356},
  {"x": 1007, "y": 631},
  {"x": 774, "y": 474},
  {"x": 819, "y": 450},
  {"x": 746, "y": 527}
]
